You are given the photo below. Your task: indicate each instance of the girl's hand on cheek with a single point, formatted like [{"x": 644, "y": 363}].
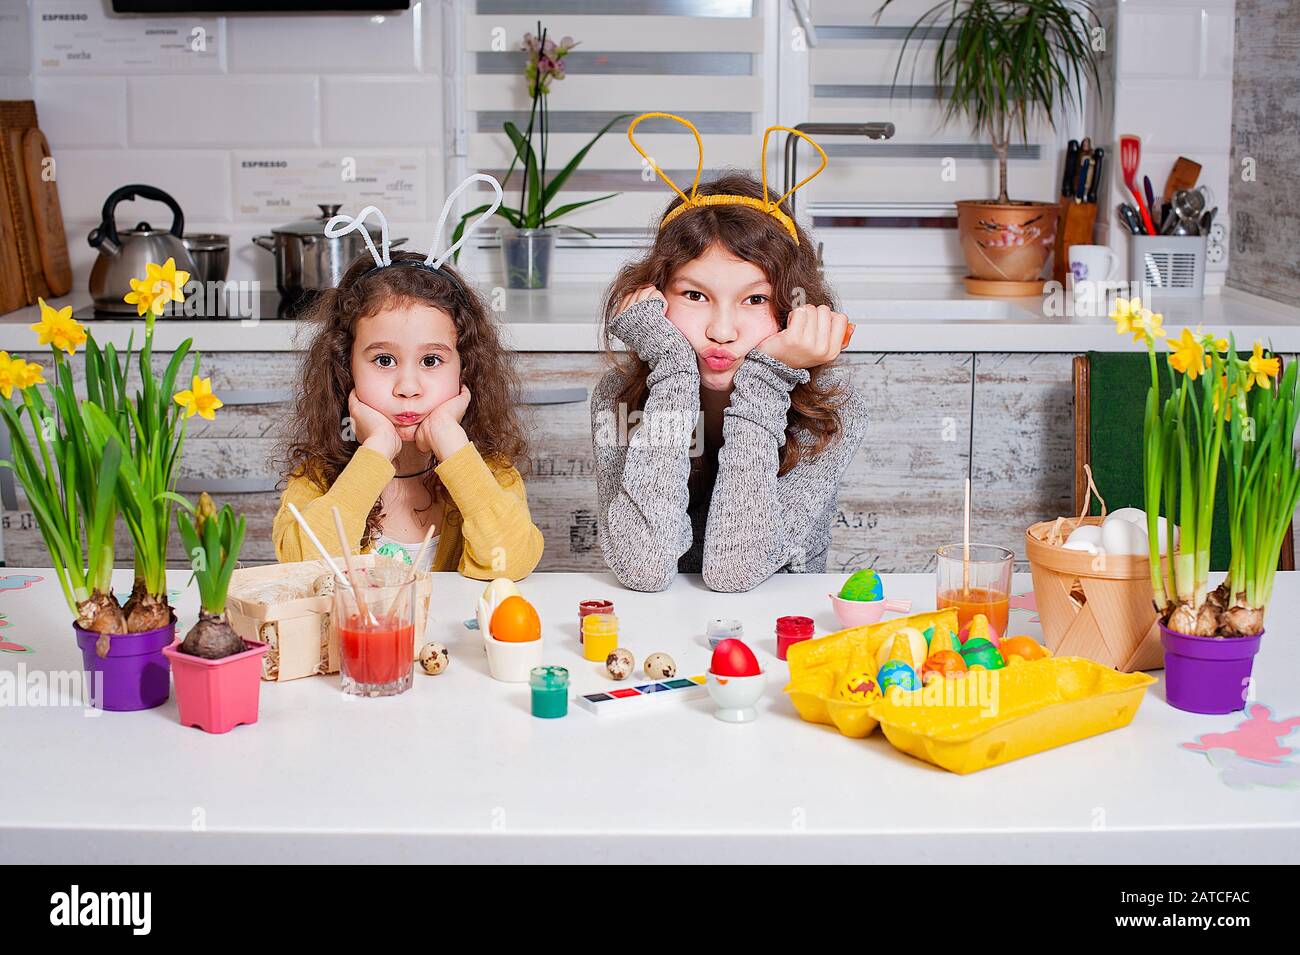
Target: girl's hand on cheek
[
  {"x": 650, "y": 336},
  {"x": 440, "y": 433},
  {"x": 813, "y": 335},
  {"x": 372, "y": 428}
]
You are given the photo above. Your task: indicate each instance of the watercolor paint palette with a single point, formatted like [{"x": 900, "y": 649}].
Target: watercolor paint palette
[{"x": 628, "y": 698}]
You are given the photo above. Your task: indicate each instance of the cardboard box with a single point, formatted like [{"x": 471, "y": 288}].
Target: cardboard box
[{"x": 297, "y": 631}]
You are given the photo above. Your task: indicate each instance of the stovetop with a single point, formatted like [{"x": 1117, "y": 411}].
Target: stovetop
[{"x": 233, "y": 305}]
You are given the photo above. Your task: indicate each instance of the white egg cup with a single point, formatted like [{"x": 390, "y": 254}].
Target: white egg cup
[
  {"x": 736, "y": 696},
  {"x": 512, "y": 662}
]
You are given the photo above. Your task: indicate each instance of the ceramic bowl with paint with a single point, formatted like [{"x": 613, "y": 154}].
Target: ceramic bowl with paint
[
  {"x": 735, "y": 682},
  {"x": 859, "y": 613}
]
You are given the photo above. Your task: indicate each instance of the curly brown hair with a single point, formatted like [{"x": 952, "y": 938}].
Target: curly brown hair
[
  {"x": 316, "y": 444},
  {"x": 814, "y": 421}
]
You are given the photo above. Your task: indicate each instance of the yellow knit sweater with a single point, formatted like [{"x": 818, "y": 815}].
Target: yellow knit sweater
[{"x": 487, "y": 532}]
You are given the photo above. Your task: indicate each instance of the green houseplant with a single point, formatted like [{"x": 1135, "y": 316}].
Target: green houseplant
[
  {"x": 218, "y": 674},
  {"x": 1002, "y": 65},
  {"x": 526, "y": 246},
  {"x": 1225, "y": 418}
]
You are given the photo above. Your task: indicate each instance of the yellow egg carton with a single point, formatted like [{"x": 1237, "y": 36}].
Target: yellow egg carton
[
  {"x": 1027, "y": 709},
  {"x": 817, "y": 667}
]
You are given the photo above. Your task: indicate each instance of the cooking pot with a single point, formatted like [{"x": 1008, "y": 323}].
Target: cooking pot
[{"x": 306, "y": 259}]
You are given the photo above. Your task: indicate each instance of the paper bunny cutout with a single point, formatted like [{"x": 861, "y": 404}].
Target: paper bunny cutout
[{"x": 342, "y": 224}]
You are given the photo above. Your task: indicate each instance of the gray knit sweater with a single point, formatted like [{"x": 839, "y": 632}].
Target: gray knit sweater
[{"x": 752, "y": 523}]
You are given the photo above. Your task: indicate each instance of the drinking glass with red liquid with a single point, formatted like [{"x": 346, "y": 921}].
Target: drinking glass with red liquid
[
  {"x": 376, "y": 633},
  {"x": 980, "y": 584}
]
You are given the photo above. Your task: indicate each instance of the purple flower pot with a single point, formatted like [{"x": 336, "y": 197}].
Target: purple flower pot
[
  {"x": 135, "y": 675},
  {"x": 1207, "y": 674}
]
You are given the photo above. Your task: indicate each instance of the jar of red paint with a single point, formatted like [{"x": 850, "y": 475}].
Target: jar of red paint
[{"x": 791, "y": 630}]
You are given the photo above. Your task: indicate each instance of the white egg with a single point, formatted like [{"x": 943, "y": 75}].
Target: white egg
[
  {"x": 1084, "y": 534},
  {"x": 1134, "y": 515},
  {"x": 1162, "y": 534},
  {"x": 1088, "y": 547},
  {"x": 1123, "y": 537}
]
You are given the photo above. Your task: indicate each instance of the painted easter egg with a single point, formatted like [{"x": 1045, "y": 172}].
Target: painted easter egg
[
  {"x": 515, "y": 621},
  {"x": 865, "y": 584},
  {"x": 979, "y": 628},
  {"x": 858, "y": 687},
  {"x": 946, "y": 663},
  {"x": 1023, "y": 648},
  {"x": 917, "y": 649},
  {"x": 733, "y": 658},
  {"x": 899, "y": 674},
  {"x": 979, "y": 652}
]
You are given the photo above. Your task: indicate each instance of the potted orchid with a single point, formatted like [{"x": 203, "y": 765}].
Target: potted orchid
[
  {"x": 1230, "y": 417},
  {"x": 527, "y": 245},
  {"x": 90, "y": 460}
]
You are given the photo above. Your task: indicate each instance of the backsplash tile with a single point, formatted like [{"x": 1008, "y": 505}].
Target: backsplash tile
[
  {"x": 315, "y": 43},
  {"x": 224, "y": 111},
  {"x": 277, "y": 186},
  {"x": 405, "y": 111}
]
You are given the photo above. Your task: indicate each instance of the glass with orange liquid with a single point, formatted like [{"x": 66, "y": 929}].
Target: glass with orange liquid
[
  {"x": 980, "y": 585},
  {"x": 377, "y": 645}
]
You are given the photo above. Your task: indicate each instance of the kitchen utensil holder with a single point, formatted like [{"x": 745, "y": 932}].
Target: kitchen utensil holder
[{"x": 1170, "y": 266}]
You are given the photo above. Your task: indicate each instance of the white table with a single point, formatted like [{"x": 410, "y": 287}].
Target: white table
[{"x": 458, "y": 770}]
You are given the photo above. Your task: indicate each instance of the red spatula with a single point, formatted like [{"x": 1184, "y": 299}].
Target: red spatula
[{"x": 1130, "y": 155}]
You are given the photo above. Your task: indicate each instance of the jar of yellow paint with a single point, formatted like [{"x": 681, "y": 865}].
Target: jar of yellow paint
[{"x": 599, "y": 636}]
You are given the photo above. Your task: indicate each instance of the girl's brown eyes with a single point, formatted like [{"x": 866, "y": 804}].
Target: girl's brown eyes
[
  {"x": 752, "y": 300},
  {"x": 429, "y": 361}
]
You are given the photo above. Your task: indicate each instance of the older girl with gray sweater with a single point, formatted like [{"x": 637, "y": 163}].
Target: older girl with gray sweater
[{"x": 722, "y": 432}]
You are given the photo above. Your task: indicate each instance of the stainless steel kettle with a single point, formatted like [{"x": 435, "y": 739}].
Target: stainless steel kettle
[{"x": 124, "y": 255}]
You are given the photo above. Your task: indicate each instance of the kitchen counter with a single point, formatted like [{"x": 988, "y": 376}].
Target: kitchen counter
[
  {"x": 929, "y": 317},
  {"x": 457, "y": 769}
]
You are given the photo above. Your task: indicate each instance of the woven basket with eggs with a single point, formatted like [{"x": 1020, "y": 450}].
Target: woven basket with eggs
[{"x": 1093, "y": 605}]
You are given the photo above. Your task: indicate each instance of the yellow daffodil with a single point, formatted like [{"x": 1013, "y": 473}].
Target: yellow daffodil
[
  {"x": 199, "y": 399},
  {"x": 8, "y": 381},
  {"x": 1124, "y": 313},
  {"x": 27, "y": 375},
  {"x": 1260, "y": 369},
  {"x": 141, "y": 295},
  {"x": 160, "y": 285},
  {"x": 57, "y": 327},
  {"x": 1148, "y": 325},
  {"x": 1188, "y": 356}
]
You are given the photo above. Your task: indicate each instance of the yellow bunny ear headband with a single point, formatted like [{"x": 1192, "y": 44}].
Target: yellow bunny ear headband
[{"x": 694, "y": 201}]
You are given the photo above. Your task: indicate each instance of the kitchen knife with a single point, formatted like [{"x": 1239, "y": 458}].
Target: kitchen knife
[
  {"x": 1071, "y": 167},
  {"x": 1098, "y": 161},
  {"x": 1131, "y": 219}
]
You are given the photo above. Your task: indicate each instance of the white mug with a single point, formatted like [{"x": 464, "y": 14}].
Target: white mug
[{"x": 1093, "y": 263}]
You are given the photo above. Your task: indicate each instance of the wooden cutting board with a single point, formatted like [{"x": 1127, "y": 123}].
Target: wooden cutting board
[
  {"x": 43, "y": 193},
  {"x": 13, "y": 294}
]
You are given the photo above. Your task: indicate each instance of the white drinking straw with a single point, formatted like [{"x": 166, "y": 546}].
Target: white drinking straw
[
  {"x": 428, "y": 536},
  {"x": 306, "y": 528},
  {"x": 352, "y": 570},
  {"x": 965, "y": 550}
]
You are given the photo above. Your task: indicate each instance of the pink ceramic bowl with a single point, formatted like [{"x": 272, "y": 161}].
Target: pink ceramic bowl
[{"x": 859, "y": 613}]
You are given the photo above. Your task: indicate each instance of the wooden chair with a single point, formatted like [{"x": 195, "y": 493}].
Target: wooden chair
[{"x": 1123, "y": 381}]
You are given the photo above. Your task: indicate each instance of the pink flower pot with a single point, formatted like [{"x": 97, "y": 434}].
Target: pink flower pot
[{"x": 217, "y": 695}]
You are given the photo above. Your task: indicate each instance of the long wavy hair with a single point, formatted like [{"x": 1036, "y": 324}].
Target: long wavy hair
[
  {"x": 813, "y": 421},
  {"x": 317, "y": 443}
]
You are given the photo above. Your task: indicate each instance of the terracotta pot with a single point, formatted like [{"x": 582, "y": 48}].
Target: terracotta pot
[{"x": 1008, "y": 242}]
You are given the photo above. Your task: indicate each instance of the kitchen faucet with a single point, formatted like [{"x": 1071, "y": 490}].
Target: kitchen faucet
[{"x": 790, "y": 167}]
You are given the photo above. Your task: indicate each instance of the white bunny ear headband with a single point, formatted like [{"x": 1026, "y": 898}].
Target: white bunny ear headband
[{"x": 341, "y": 225}]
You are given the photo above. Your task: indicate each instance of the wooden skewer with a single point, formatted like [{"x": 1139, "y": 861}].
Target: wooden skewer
[
  {"x": 965, "y": 550},
  {"x": 352, "y": 570},
  {"x": 428, "y": 536}
]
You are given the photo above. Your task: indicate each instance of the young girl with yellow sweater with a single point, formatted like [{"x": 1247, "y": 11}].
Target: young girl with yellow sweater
[{"x": 388, "y": 430}]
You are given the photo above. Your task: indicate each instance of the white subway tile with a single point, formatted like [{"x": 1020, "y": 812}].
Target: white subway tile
[
  {"x": 1163, "y": 42},
  {"x": 356, "y": 43},
  {"x": 15, "y": 38},
  {"x": 82, "y": 111},
  {"x": 399, "y": 112},
  {"x": 278, "y": 185},
  {"x": 224, "y": 111},
  {"x": 84, "y": 36},
  {"x": 1218, "y": 33},
  {"x": 199, "y": 181}
]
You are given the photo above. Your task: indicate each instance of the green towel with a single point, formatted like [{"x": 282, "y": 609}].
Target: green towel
[{"x": 1118, "y": 383}]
